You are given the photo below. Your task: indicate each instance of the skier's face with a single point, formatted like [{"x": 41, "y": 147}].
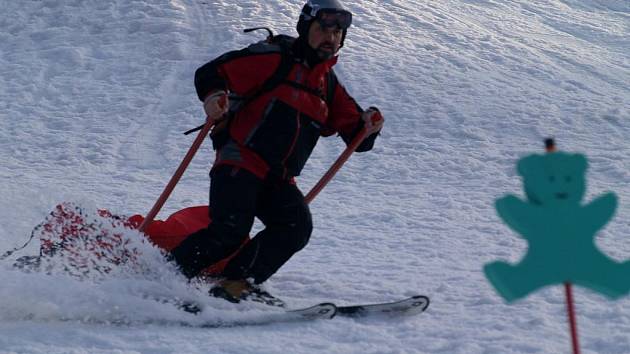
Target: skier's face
[{"x": 325, "y": 40}]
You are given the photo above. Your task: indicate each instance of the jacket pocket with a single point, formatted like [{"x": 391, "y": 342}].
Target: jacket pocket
[
  {"x": 274, "y": 137},
  {"x": 310, "y": 131}
]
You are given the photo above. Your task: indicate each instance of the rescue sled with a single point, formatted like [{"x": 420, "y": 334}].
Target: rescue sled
[{"x": 96, "y": 241}]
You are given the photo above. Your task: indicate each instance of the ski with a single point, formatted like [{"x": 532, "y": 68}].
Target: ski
[
  {"x": 316, "y": 312},
  {"x": 410, "y": 306},
  {"x": 312, "y": 313},
  {"x": 323, "y": 311}
]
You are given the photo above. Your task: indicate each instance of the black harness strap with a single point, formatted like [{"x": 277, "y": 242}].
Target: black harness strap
[
  {"x": 332, "y": 86},
  {"x": 302, "y": 87}
]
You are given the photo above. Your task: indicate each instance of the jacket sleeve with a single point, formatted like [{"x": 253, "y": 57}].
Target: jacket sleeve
[
  {"x": 208, "y": 79},
  {"x": 239, "y": 71},
  {"x": 345, "y": 118}
]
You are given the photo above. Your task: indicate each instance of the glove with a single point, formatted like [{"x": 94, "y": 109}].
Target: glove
[
  {"x": 216, "y": 105},
  {"x": 373, "y": 120}
]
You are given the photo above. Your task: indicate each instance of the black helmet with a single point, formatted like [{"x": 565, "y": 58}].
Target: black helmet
[{"x": 328, "y": 12}]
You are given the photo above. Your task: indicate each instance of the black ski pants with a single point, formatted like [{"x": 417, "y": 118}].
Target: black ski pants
[{"x": 236, "y": 198}]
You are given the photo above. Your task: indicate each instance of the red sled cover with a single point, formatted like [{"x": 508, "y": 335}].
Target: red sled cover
[{"x": 171, "y": 232}]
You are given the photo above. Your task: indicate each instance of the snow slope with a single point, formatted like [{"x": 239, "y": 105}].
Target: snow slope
[{"x": 94, "y": 97}]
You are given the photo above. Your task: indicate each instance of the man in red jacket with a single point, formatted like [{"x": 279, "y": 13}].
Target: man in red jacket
[{"x": 264, "y": 134}]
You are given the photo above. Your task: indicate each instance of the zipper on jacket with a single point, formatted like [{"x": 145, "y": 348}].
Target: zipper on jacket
[
  {"x": 251, "y": 134},
  {"x": 292, "y": 147}
]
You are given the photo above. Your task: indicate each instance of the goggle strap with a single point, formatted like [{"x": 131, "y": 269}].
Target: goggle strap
[{"x": 309, "y": 11}]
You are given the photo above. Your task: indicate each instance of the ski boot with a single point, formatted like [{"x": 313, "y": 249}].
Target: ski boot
[{"x": 239, "y": 290}]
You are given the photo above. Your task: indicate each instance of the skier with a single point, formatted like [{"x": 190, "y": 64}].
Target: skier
[{"x": 270, "y": 102}]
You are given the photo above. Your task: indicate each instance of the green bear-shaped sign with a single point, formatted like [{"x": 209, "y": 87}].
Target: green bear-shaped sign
[{"x": 560, "y": 231}]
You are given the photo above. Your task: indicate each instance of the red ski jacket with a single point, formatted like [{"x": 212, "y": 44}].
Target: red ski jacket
[{"x": 275, "y": 132}]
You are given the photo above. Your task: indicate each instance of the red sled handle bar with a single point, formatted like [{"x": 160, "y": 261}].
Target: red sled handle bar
[
  {"x": 345, "y": 155},
  {"x": 177, "y": 176}
]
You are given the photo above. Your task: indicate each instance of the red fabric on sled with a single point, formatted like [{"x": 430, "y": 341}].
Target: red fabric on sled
[{"x": 171, "y": 232}]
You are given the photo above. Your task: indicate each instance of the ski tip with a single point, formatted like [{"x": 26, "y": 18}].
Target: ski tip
[
  {"x": 421, "y": 302},
  {"x": 327, "y": 310}
]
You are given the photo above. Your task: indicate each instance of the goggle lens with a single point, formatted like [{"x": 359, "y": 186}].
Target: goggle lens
[{"x": 328, "y": 19}]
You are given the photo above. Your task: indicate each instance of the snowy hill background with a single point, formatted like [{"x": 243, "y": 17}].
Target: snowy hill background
[{"x": 94, "y": 97}]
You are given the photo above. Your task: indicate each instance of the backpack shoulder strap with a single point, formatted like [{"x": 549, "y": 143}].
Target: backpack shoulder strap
[
  {"x": 282, "y": 44},
  {"x": 282, "y": 71},
  {"x": 331, "y": 86}
]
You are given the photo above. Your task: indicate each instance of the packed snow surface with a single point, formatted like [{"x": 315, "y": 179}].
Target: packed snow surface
[{"x": 94, "y": 96}]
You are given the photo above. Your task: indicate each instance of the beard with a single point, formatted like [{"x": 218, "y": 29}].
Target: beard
[{"x": 326, "y": 50}]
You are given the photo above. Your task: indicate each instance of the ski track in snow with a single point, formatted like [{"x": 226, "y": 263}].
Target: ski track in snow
[{"x": 94, "y": 98}]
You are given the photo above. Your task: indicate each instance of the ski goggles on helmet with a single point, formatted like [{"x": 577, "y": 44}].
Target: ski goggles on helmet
[{"x": 329, "y": 18}]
